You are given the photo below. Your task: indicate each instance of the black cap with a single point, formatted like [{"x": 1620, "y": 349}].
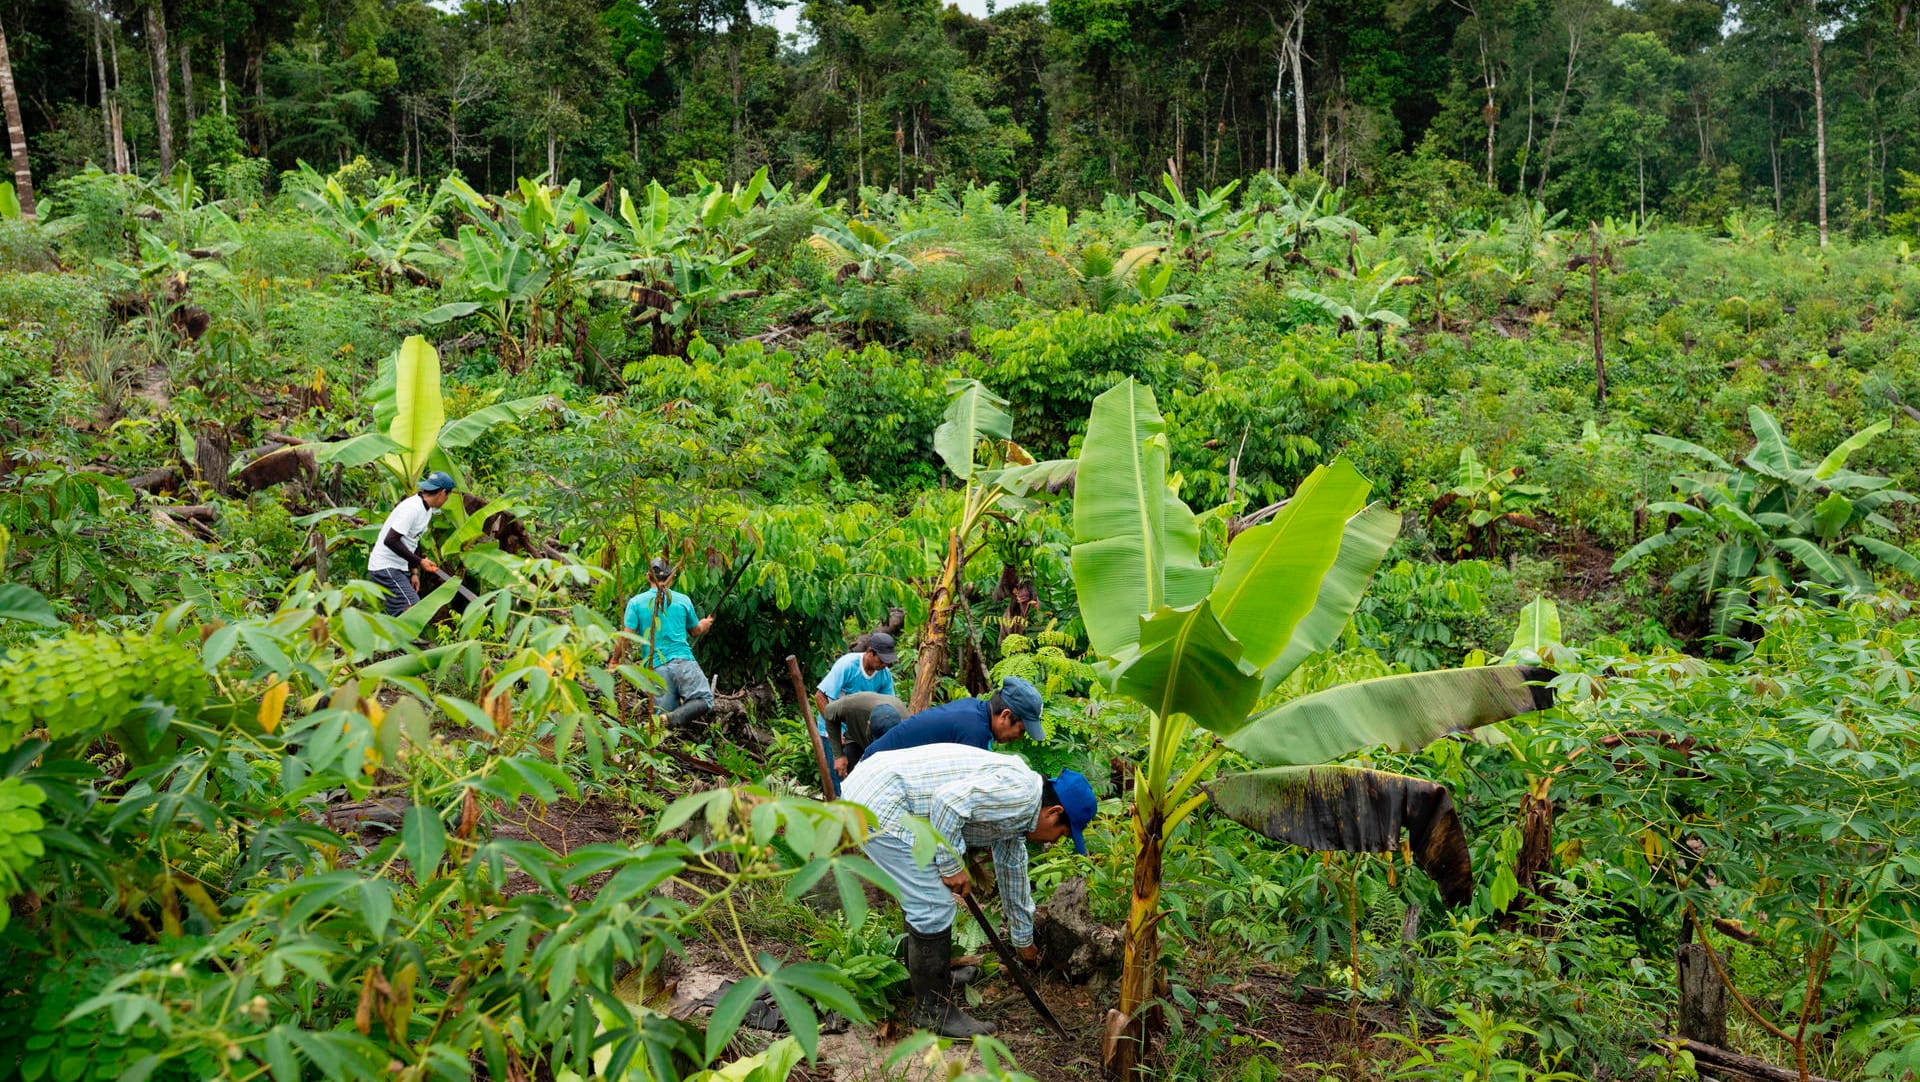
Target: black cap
[
  {"x": 882, "y": 643},
  {"x": 659, "y": 569}
]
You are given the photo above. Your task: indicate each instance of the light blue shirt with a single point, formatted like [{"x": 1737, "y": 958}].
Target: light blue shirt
[
  {"x": 671, "y": 641},
  {"x": 848, "y": 676}
]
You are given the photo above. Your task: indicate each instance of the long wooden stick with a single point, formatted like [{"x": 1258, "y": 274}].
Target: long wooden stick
[{"x": 813, "y": 731}]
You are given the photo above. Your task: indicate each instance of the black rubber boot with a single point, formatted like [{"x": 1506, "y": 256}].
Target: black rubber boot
[
  {"x": 929, "y": 964},
  {"x": 686, "y": 717},
  {"x": 963, "y": 975}
]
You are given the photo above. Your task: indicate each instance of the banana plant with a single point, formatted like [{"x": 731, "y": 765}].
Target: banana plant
[
  {"x": 1107, "y": 279},
  {"x": 1778, "y": 518},
  {"x": 1361, "y": 302},
  {"x": 1194, "y": 227},
  {"x": 869, "y": 254},
  {"x": 411, "y": 433},
  {"x": 387, "y": 231},
  {"x": 1200, "y": 644},
  {"x": 500, "y": 279},
  {"x": 1442, "y": 259},
  {"x": 1005, "y": 480}
]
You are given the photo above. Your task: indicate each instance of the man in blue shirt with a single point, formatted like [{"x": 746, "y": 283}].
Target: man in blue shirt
[
  {"x": 1007, "y": 715},
  {"x": 665, "y": 621}
]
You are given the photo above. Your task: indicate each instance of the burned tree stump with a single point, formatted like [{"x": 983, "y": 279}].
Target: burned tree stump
[
  {"x": 1703, "y": 997},
  {"x": 1071, "y": 942}
]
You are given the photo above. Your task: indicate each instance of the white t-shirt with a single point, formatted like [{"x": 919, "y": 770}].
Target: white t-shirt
[{"x": 409, "y": 519}]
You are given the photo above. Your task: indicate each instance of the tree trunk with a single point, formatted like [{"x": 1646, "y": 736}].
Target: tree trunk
[
  {"x": 1140, "y": 969},
  {"x": 223, "y": 75},
  {"x": 1819, "y": 119},
  {"x": 162, "y": 109},
  {"x": 1559, "y": 109},
  {"x": 1773, "y": 153},
  {"x": 1299, "y": 28},
  {"x": 123, "y": 154},
  {"x": 106, "y": 108},
  {"x": 16, "y": 132},
  {"x": 1599, "y": 354},
  {"x": 186, "y": 80},
  {"x": 931, "y": 655},
  {"x": 1703, "y": 998}
]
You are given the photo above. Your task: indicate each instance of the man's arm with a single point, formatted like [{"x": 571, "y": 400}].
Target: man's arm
[
  {"x": 695, "y": 625},
  {"x": 395, "y": 544},
  {"x": 1016, "y": 893}
]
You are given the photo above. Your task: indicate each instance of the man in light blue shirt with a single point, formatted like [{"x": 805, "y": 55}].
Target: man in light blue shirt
[
  {"x": 666, "y": 623},
  {"x": 866, "y": 671}
]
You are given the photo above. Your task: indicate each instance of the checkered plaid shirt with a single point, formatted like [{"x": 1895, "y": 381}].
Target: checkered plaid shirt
[{"x": 971, "y": 798}]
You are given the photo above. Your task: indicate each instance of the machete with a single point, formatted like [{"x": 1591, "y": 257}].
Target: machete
[{"x": 1008, "y": 959}]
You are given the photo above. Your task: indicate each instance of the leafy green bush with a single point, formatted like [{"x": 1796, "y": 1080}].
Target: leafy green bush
[{"x": 1054, "y": 366}]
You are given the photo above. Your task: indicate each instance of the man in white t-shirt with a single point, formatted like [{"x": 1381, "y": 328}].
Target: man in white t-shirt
[{"x": 396, "y": 553}]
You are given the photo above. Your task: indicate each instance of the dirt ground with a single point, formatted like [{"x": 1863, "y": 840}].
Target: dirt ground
[{"x": 1262, "y": 1007}]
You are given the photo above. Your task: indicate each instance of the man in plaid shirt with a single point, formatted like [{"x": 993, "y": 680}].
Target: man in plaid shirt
[{"x": 971, "y": 798}]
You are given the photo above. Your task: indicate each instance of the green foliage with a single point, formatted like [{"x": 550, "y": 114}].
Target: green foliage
[
  {"x": 80, "y": 684},
  {"x": 1778, "y": 519},
  {"x": 1055, "y": 366},
  {"x": 867, "y": 956}
]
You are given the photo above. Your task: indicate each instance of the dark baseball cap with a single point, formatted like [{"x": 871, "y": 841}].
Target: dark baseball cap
[
  {"x": 1021, "y": 697},
  {"x": 1076, "y": 796},
  {"x": 659, "y": 569},
  {"x": 882, "y": 643}
]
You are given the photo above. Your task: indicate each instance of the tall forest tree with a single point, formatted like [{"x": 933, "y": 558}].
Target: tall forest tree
[{"x": 16, "y": 132}]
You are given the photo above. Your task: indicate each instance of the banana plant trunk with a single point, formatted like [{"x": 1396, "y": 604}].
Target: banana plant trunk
[
  {"x": 931, "y": 657},
  {"x": 1141, "y": 972}
]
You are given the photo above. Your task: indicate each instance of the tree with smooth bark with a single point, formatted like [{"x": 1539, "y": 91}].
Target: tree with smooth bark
[{"x": 16, "y": 132}]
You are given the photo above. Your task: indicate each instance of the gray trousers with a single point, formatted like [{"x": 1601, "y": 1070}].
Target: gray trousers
[{"x": 685, "y": 683}]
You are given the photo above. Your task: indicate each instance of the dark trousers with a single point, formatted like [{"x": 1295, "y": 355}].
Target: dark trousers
[{"x": 400, "y": 592}]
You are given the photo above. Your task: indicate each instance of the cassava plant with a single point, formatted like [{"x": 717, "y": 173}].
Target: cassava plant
[{"x": 1200, "y": 644}]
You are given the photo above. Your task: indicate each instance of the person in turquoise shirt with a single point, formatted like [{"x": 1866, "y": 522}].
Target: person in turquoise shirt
[{"x": 666, "y": 623}]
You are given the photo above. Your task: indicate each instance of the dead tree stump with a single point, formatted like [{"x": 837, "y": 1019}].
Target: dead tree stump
[
  {"x": 1071, "y": 942},
  {"x": 1703, "y": 997}
]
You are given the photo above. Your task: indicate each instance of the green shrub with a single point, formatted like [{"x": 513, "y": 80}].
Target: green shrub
[{"x": 1053, "y": 367}]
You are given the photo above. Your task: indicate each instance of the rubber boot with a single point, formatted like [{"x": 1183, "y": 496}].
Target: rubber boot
[
  {"x": 929, "y": 965},
  {"x": 686, "y": 717},
  {"x": 961, "y": 976}
]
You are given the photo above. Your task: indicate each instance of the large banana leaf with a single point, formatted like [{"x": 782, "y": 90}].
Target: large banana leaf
[
  {"x": 464, "y": 431},
  {"x": 1187, "y": 663},
  {"x": 418, "y": 411},
  {"x": 973, "y": 414},
  {"x": 1892, "y": 555},
  {"x": 1119, "y": 515},
  {"x": 1272, "y": 572},
  {"x": 1363, "y": 545},
  {"x": 1404, "y": 712},
  {"x": 1772, "y": 454},
  {"x": 355, "y": 451},
  {"x": 1539, "y": 631},
  {"x": 1357, "y": 811},
  {"x": 1837, "y": 458},
  {"x": 1827, "y": 567}
]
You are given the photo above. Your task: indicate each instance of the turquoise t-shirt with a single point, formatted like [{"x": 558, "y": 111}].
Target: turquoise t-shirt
[{"x": 677, "y": 620}]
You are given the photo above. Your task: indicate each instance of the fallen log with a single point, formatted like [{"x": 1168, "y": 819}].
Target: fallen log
[
  {"x": 199, "y": 512},
  {"x": 1729, "y": 1062},
  {"x": 164, "y": 479}
]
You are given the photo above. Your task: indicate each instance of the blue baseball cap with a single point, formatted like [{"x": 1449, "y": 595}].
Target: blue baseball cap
[
  {"x": 1076, "y": 796},
  {"x": 1021, "y": 697},
  {"x": 437, "y": 481}
]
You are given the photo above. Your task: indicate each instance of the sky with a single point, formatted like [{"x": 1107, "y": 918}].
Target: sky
[{"x": 788, "y": 18}]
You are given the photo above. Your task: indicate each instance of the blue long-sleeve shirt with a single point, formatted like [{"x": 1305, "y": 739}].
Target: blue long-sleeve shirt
[{"x": 963, "y": 721}]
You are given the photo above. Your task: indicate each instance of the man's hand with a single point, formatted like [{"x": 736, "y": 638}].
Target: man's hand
[
  {"x": 701, "y": 627},
  {"x": 1029, "y": 954},
  {"x": 840, "y": 766},
  {"x": 958, "y": 883},
  {"x": 430, "y": 566}
]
